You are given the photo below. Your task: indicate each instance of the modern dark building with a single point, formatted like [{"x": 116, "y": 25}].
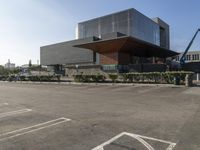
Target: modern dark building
[{"x": 122, "y": 41}]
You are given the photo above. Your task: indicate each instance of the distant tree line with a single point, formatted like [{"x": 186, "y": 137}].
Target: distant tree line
[{"x": 5, "y": 71}]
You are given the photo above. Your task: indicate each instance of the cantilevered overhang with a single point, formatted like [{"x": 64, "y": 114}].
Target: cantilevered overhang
[{"x": 128, "y": 44}]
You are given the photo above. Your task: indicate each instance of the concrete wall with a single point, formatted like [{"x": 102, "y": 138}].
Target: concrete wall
[
  {"x": 65, "y": 53},
  {"x": 86, "y": 70}
]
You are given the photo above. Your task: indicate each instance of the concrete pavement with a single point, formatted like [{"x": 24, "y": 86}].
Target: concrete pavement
[{"x": 81, "y": 117}]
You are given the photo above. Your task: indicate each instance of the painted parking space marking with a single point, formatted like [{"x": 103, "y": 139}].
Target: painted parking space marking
[
  {"x": 11, "y": 113},
  {"x": 3, "y": 104},
  {"x": 31, "y": 129},
  {"x": 139, "y": 138}
]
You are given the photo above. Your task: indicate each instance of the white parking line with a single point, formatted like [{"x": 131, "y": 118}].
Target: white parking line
[
  {"x": 140, "y": 138},
  {"x": 6, "y": 114},
  {"x": 3, "y": 104},
  {"x": 23, "y": 131}
]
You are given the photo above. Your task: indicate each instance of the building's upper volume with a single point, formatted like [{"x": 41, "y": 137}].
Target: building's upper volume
[{"x": 129, "y": 22}]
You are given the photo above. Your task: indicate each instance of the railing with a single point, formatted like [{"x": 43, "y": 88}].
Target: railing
[{"x": 135, "y": 68}]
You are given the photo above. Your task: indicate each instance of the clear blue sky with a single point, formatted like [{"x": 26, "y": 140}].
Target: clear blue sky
[{"x": 25, "y": 25}]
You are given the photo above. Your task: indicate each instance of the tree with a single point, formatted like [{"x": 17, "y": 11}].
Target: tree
[
  {"x": 3, "y": 71},
  {"x": 30, "y": 63}
]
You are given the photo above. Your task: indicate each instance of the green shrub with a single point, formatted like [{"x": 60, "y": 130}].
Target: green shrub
[
  {"x": 58, "y": 77},
  {"x": 33, "y": 78},
  {"x": 78, "y": 78},
  {"x": 11, "y": 78},
  {"x": 124, "y": 77},
  {"x": 89, "y": 78},
  {"x": 3, "y": 77},
  {"x": 22, "y": 78},
  {"x": 149, "y": 77},
  {"x": 98, "y": 78},
  {"x": 43, "y": 78},
  {"x": 113, "y": 77},
  {"x": 157, "y": 77},
  {"x": 170, "y": 76}
]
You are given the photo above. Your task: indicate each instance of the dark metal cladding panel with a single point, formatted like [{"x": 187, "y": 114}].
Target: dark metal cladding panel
[
  {"x": 106, "y": 24},
  {"x": 65, "y": 53},
  {"x": 117, "y": 22},
  {"x": 144, "y": 28},
  {"x": 129, "y": 22},
  {"x": 112, "y": 35}
]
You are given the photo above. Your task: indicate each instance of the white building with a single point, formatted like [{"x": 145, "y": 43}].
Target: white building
[
  {"x": 191, "y": 56},
  {"x": 9, "y": 65}
]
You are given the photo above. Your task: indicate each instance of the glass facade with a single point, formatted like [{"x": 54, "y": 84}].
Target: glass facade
[{"x": 129, "y": 22}]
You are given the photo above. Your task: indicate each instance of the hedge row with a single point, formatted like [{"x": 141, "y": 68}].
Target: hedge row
[
  {"x": 156, "y": 77},
  {"x": 89, "y": 78},
  {"x": 46, "y": 78}
]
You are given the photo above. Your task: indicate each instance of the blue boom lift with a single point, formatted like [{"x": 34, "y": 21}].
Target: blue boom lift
[{"x": 183, "y": 58}]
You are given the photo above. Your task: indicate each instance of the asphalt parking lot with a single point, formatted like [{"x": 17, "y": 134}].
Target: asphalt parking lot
[{"x": 83, "y": 117}]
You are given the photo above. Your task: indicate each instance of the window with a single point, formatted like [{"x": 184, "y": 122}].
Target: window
[
  {"x": 193, "y": 57},
  {"x": 189, "y": 57},
  {"x": 177, "y": 58},
  {"x": 197, "y": 56}
]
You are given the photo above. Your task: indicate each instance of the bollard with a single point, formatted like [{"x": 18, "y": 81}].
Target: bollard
[
  {"x": 197, "y": 77},
  {"x": 176, "y": 80},
  {"x": 188, "y": 80}
]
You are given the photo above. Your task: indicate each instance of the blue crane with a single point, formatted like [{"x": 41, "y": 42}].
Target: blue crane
[{"x": 183, "y": 58}]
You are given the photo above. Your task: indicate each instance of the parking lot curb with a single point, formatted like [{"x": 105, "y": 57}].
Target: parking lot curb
[{"x": 98, "y": 84}]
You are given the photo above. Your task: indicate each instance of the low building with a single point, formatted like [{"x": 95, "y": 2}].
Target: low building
[
  {"x": 191, "y": 56},
  {"x": 192, "y": 61},
  {"x": 122, "y": 41}
]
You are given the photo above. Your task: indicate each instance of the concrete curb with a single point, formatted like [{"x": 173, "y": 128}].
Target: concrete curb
[{"x": 97, "y": 84}]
